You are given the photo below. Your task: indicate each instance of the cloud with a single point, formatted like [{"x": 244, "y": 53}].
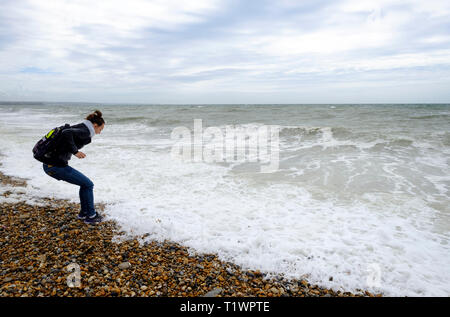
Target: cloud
[{"x": 109, "y": 51}]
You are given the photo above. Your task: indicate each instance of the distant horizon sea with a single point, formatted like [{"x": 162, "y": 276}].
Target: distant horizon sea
[{"x": 360, "y": 198}]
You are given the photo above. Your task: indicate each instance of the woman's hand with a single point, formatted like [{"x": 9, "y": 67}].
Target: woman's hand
[{"x": 80, "y": 155}]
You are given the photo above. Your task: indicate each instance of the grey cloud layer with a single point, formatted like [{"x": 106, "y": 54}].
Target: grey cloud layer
[{"x": 261, "y": 51}]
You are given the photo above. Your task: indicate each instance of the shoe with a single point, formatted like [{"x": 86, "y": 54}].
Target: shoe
[
  {"x": 81, "y": 215},
  {"x": 92, "y": 220}
]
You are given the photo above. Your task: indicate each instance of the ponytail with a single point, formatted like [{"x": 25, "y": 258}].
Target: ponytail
[{"x": 96, "y": 117}]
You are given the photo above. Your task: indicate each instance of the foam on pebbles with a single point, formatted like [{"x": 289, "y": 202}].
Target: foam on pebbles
[{"x": 46, "y": 251}]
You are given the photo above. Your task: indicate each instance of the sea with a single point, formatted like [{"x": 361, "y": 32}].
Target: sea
[{"x": 359, "y": 197}]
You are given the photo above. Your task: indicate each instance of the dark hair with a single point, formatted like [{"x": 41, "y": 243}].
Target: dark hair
[{"x": 96, "y": 117}]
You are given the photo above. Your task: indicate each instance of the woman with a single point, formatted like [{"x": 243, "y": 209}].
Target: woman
[{"x": 72, "y": 140}]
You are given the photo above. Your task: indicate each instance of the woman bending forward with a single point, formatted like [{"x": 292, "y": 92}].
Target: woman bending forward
[{"x": 72, "y": 140}]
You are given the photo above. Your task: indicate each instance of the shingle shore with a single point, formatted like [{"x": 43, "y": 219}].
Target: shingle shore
[{"x": 39, "y": 244}]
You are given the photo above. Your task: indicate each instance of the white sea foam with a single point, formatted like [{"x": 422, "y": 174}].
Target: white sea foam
[{"x": 336, "y": 208}]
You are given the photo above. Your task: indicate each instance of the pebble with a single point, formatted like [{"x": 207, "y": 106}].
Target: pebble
[
  {"x": 39, "y": 242},
  {"x": 124, "y": 265},
  {"x": 214, "y": 292},
  {"x": 273, "y": 290}
]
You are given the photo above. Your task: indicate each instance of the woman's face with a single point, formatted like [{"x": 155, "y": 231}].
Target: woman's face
[{"x": 98, "y": 128}]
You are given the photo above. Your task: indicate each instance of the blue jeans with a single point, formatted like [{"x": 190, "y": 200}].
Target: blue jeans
[{"x": 73, "y": 176}]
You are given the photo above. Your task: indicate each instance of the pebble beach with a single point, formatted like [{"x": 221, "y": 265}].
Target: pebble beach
[{"x": 42, "y": 247}]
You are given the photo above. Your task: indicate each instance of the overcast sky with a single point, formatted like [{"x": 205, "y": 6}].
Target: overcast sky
[{"x": 212, "y": 51}]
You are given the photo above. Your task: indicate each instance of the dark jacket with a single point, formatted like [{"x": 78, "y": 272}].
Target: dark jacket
[{"x": 72, "y": 140}]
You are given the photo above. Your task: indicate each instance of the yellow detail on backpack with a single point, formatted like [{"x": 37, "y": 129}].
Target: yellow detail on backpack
[{"x": 50, "y": 134}]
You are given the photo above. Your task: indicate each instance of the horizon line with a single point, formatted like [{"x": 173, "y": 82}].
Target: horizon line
[{"x": 212, "y": 104}]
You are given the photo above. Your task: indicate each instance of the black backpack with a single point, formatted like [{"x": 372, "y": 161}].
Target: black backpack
[{"x": 46, "y": 147}]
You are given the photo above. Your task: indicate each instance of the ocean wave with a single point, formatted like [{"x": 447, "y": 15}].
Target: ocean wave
[
  {"x": 235, "y": 110},
  {"x": 128, "y": 119},
  {"x": 400, "y": 142},
  {"x": 146, "y": 120},
  {"x": 287, "y": 131},
  {"x": 163, "y": 122},
  {"x": 433, "y": 116},
  {"x": 298, "y": 131},
  {"x": 446, "y": 139}
]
